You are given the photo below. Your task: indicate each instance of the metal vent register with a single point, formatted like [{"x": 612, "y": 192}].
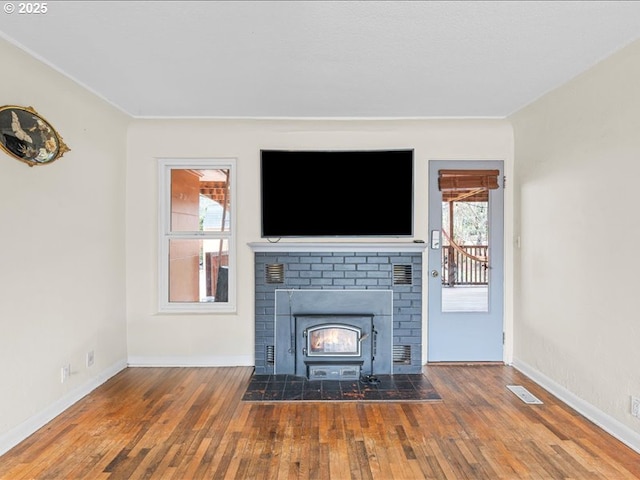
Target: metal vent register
[
  {"x": 270, "y": 353},
  {"x": 525, "y": 395},
  {"x": 274, "y": 273},
  {"x": 403, "y": 274},
  {"x": 402, "y": 354}
]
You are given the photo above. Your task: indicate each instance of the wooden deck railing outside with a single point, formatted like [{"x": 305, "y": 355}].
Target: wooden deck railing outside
[{"x": 461, "y": 269}]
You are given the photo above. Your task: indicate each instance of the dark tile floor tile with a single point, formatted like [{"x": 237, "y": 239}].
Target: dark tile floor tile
[
  {"x": 273, "y": 388},
  {"x": 253, "y": 396},
  {"x": 396, "y": 395},
  {"x": 292, "y": 395},
  {"x": 352, "y": 395},
  {"x": 332, "y": 395},
  {"x": 386, "y": 384},
  {"x": 404, "y": 385},
  {"x": 272, "y": 396},
  {"x": 331, "y": 385},
  {"x": 312, "y": 395},
  {"x": 349, "y": 386},
  {"x": 257, "y": 386},
  {"x": 371, "y": 395}
]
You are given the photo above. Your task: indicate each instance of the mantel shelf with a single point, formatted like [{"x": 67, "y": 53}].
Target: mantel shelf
[{"x": 283, "y": 246}]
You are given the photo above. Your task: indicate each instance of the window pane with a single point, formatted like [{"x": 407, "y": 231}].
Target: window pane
[
  {"x": 465, "y": 261},
  {"x": 198, "y": 270},
  {"x": 196, "y": 234},
  {"x": 215, "y": 276},
  {"x": 200, "y": 200}
]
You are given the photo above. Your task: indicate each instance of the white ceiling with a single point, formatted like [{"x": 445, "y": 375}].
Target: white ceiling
[{"x": 322, "y": 59}]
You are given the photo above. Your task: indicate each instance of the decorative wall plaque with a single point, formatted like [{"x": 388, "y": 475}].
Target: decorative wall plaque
[{"x": 28, "y": 137}]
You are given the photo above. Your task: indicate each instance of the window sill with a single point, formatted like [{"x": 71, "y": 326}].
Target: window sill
[{"x": 196, "y": 308}]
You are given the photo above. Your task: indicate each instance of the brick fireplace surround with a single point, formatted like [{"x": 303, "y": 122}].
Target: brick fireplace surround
[{"x": 382, "y": 279}]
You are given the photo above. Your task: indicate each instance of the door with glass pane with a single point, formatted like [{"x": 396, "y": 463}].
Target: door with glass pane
[{"x": 465, "y": 274}]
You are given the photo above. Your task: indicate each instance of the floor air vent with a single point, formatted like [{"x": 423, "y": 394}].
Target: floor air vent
[
  {"x": 402, "y": 274},
  {"x": 402, "y": 354},
  {"x": 274, "y": 273},
  {"x": 525, "y": 395}
]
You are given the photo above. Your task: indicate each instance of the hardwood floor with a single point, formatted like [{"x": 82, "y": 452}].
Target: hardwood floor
[{"x": 187, "y": 423}]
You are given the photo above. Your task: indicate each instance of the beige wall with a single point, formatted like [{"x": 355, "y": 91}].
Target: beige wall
[
  {"x": 227, "y": 339},
  {"x": 62, "y": 262},
  {"x": 578, "y": 167}
]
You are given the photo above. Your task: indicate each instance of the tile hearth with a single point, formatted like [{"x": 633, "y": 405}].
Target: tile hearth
[{"x": 403, "y": 387}]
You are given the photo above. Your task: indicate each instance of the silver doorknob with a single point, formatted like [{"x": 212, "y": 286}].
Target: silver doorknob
[{"x": 434, "y": 273}]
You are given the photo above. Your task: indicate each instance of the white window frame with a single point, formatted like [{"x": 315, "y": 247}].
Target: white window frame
[{"x": 165, "y": 166}]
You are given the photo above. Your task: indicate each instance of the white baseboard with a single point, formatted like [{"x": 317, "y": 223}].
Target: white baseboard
[
  {"x": 609, "y": 424},
  {"x": 195, "y": 361},
  {"x": 16, "y": 435}
]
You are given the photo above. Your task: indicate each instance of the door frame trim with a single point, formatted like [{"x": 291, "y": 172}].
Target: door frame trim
[{"x": 510, "y": 254}]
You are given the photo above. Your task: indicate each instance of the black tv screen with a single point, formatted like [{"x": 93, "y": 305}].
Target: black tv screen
[{"x": 337, "y": 193}]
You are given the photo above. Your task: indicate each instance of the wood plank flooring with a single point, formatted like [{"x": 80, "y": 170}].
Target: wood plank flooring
[{"x": 189, "y": 423}]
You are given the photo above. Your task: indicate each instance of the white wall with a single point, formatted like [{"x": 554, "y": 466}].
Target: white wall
[
  {"x": 62, "y": 254},
  {"x": 227, "y": 339},
  {"x": 578, "y": 167}
]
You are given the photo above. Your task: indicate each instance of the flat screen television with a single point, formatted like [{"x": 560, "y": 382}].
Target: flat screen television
[{"x": 365, "y": 193}]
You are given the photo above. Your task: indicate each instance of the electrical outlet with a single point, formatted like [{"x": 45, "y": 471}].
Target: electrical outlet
[
  {"x": 90, "y": 358},
  {"x": 635, "y": 406},
  {"x": 65, "y": 373}
]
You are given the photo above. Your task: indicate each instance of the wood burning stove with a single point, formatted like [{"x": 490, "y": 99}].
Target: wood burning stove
[
  {"x": 334, "y": 347},
  {"x": 370, "y": 311}
]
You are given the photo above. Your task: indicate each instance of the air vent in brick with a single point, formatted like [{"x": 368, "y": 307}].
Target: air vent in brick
[
  {"x": 274, "y": 273},
  {"x": 270, "y": 354},
  {"x": 402, "y": 274},
  {"x": 401, "y": 354}
]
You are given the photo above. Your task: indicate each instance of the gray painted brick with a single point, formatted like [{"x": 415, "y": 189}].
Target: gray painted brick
[
  {"x": 400, "y": 304},
  {"x": 292, "y": 267},
  {"x": 322, "y": 267},
  {"x": 400, "y": 260},
  {"x": 355, "y": 274},
  {"x": 402, "y": 332},
  {"x": 344, "y": 267},
  {"x": 410, "y": 296},
  {"x": 310, "y": 259},
  {"x": 288, "y": 260},
  {"x": 369, "y": 267},
  {"x": 341, "y": 271},
  {"x": 344, "y": 282},
  {"x": 310, "y": 274},
  {"x": 368, "y": 282},
  {"x": 378, "y": 274},
  {"x": 354, "y": 259},
  {"x": 332, "y": 274},
  {"x": 377, "y": 259},
  {"x": 332, "y": 259}
]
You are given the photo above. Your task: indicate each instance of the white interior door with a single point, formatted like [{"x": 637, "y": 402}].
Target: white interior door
[{"x": 465, "y": 275}]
